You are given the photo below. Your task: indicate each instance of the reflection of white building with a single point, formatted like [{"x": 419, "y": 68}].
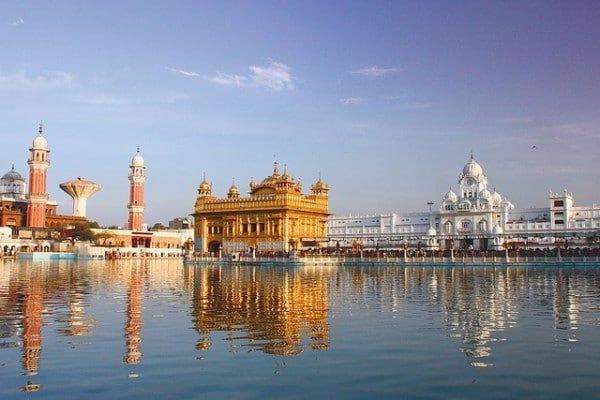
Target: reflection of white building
[{"x": 472, "y": 217}]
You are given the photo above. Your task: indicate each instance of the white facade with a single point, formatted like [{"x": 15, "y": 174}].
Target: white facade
[{"x": 472, "y": 217}]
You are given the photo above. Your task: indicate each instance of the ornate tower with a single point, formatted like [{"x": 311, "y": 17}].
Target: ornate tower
[
  {"x": 38, "y": 193},
  {"x": 137, "y": 177}
]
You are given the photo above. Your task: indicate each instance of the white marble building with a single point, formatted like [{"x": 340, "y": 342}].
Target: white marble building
[{"x": 473, "y": 216}]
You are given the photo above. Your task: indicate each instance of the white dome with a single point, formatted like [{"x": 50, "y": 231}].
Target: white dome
[
  {"x": 496, "y": 198},
  {"x": 137, "y": 160},
  {"x": 485, "y": 194},
  {"x": 40, "y": 143},
  {"x": 431, "y": 231},
  {"x": 472, "y": 169},
  {"x": 451, "y": 196}
]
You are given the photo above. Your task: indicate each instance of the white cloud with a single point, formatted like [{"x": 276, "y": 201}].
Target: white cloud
[
  {"x": 17, "y": 22},
  {"x": 274, "y": 75},
  {"x": 374, "y": 71},
  {"x": 352, "y": 100},
  {"x": 227, "y": 79},
  {"x": 183, "y": 72},
  {"x": 50, "y": 80}
]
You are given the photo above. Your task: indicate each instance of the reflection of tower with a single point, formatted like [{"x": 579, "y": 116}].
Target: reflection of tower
[
  {"x": 77, "y": 323},
  {"x": 80, "y": 190},
  {"x": 38, "y": 193},
  {"x": 133, "y": 327},
  {"x": 32, "y": 327},
  {"x": 137, "y": 177}
]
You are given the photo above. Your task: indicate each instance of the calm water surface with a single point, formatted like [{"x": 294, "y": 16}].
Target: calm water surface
[{"x": 158, "y": 329}]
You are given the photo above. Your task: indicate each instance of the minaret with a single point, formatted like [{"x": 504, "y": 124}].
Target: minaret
[
  {"x": 137, "y": 177},
  {"x": 38, "y": 192}
]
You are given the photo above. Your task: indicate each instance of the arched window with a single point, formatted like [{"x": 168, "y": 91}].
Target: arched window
[
  {"x": 465, "y": 225},
  {"x": 483, "y": 225},
  {"x": 448, "y": 227}
]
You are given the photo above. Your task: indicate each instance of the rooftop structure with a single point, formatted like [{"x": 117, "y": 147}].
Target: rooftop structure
[{"x": 80, "y": 190}]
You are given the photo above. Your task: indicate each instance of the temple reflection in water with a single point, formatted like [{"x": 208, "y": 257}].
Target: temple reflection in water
[
  {"x": 275, "y": 309},
  {"x": 278, "y": 311}
]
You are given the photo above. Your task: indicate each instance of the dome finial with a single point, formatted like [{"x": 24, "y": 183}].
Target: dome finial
[
  {"x": 138, "y": 149},
  {"x": 472, "y": 158},
  {"x": 275, "y": 168},
  {"x": 12, "y": 168},
  {"x": 41, "y": 128}
]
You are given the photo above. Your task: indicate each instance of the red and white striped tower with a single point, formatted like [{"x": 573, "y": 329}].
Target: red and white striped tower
[
  {"x": 38, "y": 192},
  {"x": 137, "y": 177}
]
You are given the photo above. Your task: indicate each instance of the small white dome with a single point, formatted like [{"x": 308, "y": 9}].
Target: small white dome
[
  {"x": 485, "y": 194},
  {"x": 450, "y": 196},
  {"x": 40, "y": 143},
  {"x": 496, "y": 198},
  {"x": 137, "y": 160},
  {"x": 431, "y": 231}
]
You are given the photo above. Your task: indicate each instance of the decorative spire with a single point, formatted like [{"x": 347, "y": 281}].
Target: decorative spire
[
  {"x": 13, "y": 167},
  {"x": 275, "y": 168},
  {"x": 41, "y": 129},
  {"x": 285, "y": 169},
  {"x": 138, "y": 149},
  {"x": 472, "y": 158}
]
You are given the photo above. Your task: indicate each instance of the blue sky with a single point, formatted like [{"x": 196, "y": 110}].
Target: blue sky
[{"x": 386, "y": 99}]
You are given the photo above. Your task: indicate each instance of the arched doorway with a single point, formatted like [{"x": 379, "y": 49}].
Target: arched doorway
[{"x": 214, "y": 247}]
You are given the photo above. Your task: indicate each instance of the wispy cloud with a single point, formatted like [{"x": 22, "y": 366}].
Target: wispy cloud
[
  {"x": 17, "y": 22},
  {"x": 183, "y": 72},
  {"x": 227, "y": 79},
  {"x": 374, "y": 71},
  {"x": 50, "y": 80},
  {"x": 275, "y": 75},
  {"x": 352, "y": 100}
]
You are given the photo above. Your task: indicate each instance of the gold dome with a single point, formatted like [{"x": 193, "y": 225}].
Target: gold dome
[
  {"x": 233, "y": 191},
  {"x": 320, "y": 187},
  {"x": 205, "y": 188}
]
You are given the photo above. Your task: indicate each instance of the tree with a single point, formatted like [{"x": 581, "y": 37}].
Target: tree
[
  {"x": 157, "y": 227},
  {"x": 83, "y": 232}
]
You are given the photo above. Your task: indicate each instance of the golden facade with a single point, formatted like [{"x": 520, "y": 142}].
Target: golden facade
[{"x": 275, "y": 216}]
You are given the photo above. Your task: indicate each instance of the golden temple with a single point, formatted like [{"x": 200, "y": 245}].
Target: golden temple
[{"x": 275, "y": 217}]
